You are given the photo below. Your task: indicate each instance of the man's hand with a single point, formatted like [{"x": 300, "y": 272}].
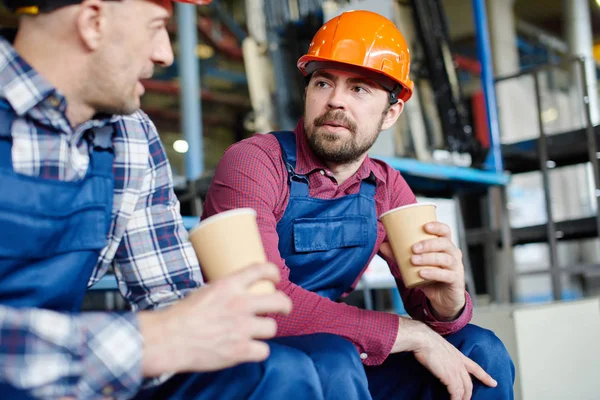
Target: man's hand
[
  {"x": 447, "y": 294},
  {"x": 441, "y": 358},
  {"x": 218, "y": 326}
]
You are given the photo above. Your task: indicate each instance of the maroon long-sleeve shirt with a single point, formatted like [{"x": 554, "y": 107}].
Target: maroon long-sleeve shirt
[{"x": 252, "y": 174}]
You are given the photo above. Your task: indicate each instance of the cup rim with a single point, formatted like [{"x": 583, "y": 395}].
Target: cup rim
[
  {"x": 221, "y": 215},
  {"x": 407, "y": 206}
]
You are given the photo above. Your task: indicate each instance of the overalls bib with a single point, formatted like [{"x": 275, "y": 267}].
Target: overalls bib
[
  {"x": 52, "y": 231},
  {"x": 326, "y": 243}
]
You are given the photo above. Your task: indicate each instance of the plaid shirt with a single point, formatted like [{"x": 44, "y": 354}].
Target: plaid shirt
[
  {"x": 252, "y": 174},
  {"x": 93, "y": 355}
]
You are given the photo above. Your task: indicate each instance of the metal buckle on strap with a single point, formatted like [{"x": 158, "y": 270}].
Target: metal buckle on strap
[
  {"x": 102, "y": 137},
  {"x": 299, "y": 178},
  {"x": 293, "y": 176},
  {"x": 372, "y": 178}
]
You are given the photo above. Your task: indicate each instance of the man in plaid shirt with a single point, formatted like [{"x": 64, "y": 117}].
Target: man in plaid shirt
[{"x": 85, "y": 184}]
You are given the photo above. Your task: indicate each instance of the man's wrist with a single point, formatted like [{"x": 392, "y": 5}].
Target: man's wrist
[
  {"x": 158, "y": 355},
  {"x": 444, "y": 314},
  {"x": 410, "y": 335}
]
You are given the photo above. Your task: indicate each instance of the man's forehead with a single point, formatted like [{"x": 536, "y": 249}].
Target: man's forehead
[{"x": 345, "y": 74}]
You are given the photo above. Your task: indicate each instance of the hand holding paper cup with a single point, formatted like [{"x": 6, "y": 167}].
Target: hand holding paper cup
[
  {"x": 228, "y": 242},
  {"x": 404, "y": 227}
]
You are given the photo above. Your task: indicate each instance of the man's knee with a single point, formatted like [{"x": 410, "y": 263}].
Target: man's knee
[
  {"x": 333, "y": 344},
  {"x": 289, "y": 370},
  {"x": 338, "y": 364},
  {"x": 336, "y": 361},
  {"x": 333, "y": 352},
  {"x": 486, "y": 349}
]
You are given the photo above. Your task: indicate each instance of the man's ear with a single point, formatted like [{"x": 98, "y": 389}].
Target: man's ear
[
  {"x": 92, "y": 23},
  {"x": 392, "y": 114}
]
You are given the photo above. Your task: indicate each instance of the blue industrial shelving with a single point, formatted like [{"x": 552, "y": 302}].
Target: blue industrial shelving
[{"x": 444, "y": 180}]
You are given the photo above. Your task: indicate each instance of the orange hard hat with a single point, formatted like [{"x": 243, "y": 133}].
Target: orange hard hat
[{"x": 366, "y": 41}]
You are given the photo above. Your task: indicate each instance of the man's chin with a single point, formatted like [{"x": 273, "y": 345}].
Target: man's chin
[
  {"x": 122, "y": 109},
  {"x": 328, "y": 150}
]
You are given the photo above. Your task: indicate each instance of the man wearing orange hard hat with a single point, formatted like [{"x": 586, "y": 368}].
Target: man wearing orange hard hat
[
  {"x": 85, "y": 186},
  {"x": 318, "y": 197}
]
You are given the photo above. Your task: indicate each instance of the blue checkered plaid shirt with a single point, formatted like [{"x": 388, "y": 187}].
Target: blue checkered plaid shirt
[{"x": 95, "y": 354}]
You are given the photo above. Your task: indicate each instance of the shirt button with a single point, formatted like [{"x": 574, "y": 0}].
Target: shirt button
[
  {"x": 54, "y": 101},
  {"x": 107, "y": 390},
  {"x": 363, "y": 356},
  {"x": 322, "y": 172}
]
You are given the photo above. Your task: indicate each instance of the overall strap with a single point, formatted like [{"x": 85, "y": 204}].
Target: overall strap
[
  {"x": 103, "y": 152},
  {"x": 7, "y": 117},
  {"x": 368, "y": 186},
  {"x": 298, "y": 183}
]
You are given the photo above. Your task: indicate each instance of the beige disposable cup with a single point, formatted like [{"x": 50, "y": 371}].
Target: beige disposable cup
[
  {"x": 404, "y": 227},
  {"x": 228, "y": 242}
]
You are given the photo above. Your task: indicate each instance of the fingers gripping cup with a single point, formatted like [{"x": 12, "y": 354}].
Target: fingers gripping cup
[
  {"x": 228, "y": 242},
  {"x": 404, "y": 228}
]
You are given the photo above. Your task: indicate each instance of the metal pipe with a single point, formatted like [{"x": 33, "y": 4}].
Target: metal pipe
[
  {"x": 545, "y": 38},
  {"x": 570, "y": 270},
  {"x": 564, "y": 64},
  {"x": 464, "y": 247},
  {"x": 550, "y": 228},
  {"x": 494, "y": 158},
  {"x": 189, "y": 72},
  {"x": 255, "y": 20},
  {"x": 580, "y": 39},
  {"x": 509, "y": 277},
  {"x": 592, "y": 143}
]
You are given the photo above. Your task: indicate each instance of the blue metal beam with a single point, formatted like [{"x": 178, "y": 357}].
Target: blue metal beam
[
  {"x": 494, "y": 158},
  {"x": 446, "y": 173},
  {"x": 189, "y": 72}
]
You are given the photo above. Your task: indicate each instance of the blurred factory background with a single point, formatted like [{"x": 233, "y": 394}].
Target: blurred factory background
[{"x": 501, "y": 133}]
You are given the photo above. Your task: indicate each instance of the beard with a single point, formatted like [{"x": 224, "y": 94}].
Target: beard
[{"x": 335, "y": 148}]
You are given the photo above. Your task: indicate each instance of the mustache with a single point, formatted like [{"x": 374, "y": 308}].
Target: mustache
[{"x": 336, "y": 117}]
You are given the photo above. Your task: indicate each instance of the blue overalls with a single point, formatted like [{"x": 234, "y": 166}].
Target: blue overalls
[
  {"x": 326, "y": 243},
  {"x": 52, "y": 231}
]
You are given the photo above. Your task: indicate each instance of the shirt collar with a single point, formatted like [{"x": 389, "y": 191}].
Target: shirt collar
[
  {"x": 307, "y": 162},
  {"x": 22, "y": 87}
]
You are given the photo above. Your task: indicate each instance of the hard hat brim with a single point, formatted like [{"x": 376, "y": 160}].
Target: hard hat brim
[{"x": 307, "y": 64}]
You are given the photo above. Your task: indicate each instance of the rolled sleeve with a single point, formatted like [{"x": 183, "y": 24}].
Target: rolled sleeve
[
  {"x": 448, "y": 327},
  {"x": 155, "y": 262},
  {"x": 52, "y": 355},
  {"x": 418, "y": 307}
]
